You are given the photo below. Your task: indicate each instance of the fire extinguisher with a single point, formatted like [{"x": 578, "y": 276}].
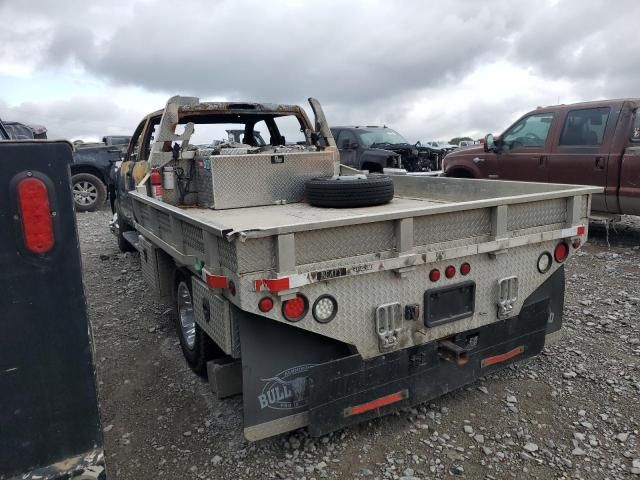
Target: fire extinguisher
[{"x": 156, "y": 184}]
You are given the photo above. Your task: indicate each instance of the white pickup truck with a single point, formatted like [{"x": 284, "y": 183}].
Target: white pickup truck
[{"x": 324, "y": 317}]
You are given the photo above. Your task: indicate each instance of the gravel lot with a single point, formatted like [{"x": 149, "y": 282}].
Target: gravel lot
[{"x": 572, "y": 412}]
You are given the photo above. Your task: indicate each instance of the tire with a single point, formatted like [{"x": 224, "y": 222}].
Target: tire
[
  {"x": 197, "y": 347},
  {"x": 89, "y": 193},
  {"x": 352, "y": 191}
]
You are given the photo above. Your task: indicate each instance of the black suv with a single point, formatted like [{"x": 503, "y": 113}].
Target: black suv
[
  {"x": 91, "y": 171},
  {"x": 20, "y": 131},
  {"x": 374, "y": 148}
]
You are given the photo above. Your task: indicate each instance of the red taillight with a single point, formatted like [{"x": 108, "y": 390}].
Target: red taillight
[
  {"x": 265, "y": 304},
  {"x": 434, "y": 275},
  {"x": 35, "y": 214},
  {"x": 294, "y": 309},
  {"x": 465, "y": 268},
  {"x": 561, "y": 252},
  {"x": 450, "y": 271}
]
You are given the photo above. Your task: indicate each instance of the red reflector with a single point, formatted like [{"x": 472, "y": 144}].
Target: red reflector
[
  {"x": 377, "y": 403},
  {"x": 216, "y": 281},
  {"x": 465, "y": 268},
  {"x": 450, "y": 271},
  {"x": 581, "y": 230},
  {"x": 265, "y": 304},
  {"x": 295, "y": 308},
  {"x": 273, "y": 285},
  {"x": 561, "y": 252},
  {"x": 35, "y": 214},
  {"x": 487, "y": 362},
  {"x": 434, "y": 275}
]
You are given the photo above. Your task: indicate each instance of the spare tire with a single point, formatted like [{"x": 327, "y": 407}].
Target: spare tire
[{"x": 349, "y": 191}]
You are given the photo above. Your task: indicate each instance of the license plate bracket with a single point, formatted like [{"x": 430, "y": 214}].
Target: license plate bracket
[{"x": 448, "y": 304}]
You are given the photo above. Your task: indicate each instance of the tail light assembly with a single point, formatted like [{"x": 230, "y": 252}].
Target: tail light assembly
[
  {"x": 325, "y": 309},
  {"x": 450, "y": 271},
  {"x": 561, "y": 252},
  {"x": 35, "y": 215},
  {"x": 544, "y": 262},
  {"x": 295, "y": 309}
]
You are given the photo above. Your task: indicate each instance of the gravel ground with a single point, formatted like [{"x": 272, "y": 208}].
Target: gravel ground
[{"x": 572, "y": 412}]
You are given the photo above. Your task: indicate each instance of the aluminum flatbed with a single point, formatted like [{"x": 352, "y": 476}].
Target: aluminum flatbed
[
  {"x": 415, "y": 196},
  {"x": 333, "y": 316}
]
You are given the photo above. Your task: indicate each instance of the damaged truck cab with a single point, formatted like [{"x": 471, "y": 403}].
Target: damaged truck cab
[{"x": 324, "y": 317}]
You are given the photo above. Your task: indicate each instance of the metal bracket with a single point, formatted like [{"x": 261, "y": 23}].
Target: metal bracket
[
  {"x": 507, "y": 296},
  {"x": 389, "y": 325}
]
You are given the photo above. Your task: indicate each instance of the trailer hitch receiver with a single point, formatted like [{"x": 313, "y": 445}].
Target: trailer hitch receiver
[{"x": 455, "y": 353}]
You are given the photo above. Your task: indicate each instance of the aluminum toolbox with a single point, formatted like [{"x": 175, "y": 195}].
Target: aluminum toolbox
[
  {"x": 262, "y": 178},
  {"x": 157, "y": 267}
]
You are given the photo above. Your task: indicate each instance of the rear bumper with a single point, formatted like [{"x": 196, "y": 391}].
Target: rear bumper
[
  {"x": 319, "y": 383},
  {"x": 352, "y": 390}
]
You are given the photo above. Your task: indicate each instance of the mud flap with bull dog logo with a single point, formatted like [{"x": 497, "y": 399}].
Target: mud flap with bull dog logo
[{"x": 275, "y": 360}]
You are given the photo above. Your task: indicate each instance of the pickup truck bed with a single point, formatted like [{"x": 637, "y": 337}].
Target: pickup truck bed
[{"x": 415, "y": 197}]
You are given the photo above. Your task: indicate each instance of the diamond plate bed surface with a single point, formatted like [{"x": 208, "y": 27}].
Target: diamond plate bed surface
[{"x": 358, "y": 296}]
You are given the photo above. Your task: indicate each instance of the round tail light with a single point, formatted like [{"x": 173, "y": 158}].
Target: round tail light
[
  {"x": 265, "y": 305},
  {"x": 325, "y": 308},
  {"x": 561, "y": 252},
  {"x": 465, "y": 268},
  {"x": 294, "y": 309},
  {"x": 450, "y": 271},
  {"x": 434, "y": 275},
  {"x": 544, "y": 262}
]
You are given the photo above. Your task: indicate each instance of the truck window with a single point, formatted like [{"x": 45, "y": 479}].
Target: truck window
[
  {"x": 529, "y": 132},
  {"x": 346, "y": 138},
  {"x": 585, "y": 127},
  {"x": 291, "y": 129},
  {"x": 136, "y": 142}
]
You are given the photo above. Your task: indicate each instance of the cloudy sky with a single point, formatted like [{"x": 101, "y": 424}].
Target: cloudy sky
[{"x": 431, "y": 70}]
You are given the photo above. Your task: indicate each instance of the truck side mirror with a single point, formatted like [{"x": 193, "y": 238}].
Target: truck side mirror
[{"x": 489, "y": 143}]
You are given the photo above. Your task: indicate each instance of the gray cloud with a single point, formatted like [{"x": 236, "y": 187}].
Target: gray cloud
[
  {"x": 78, "y": 117},
  {"x": 367, "y": 61}
]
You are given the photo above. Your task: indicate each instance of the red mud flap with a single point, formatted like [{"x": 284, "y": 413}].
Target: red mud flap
[{"x": 351, "y": 390}]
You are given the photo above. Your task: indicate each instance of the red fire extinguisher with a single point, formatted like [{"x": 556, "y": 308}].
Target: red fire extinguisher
[{"x": 156, "y": 184}]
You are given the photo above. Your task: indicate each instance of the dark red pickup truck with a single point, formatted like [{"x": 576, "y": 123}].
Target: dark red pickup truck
[{"x": 592, "y": 143}]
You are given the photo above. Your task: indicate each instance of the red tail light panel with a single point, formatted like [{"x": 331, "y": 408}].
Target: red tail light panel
[{"x": 35, "y": 215}]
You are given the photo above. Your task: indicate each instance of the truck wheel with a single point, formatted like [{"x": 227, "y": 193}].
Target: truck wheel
[
  {"x": 349, "y": 191},
  {"x": 89, "y": 193},
  {"x": 197, "y": 347}
]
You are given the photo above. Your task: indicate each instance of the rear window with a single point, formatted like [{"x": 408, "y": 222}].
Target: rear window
[
  {"x": 18, "y": 131},
  {"x": 585, "y": 127}
]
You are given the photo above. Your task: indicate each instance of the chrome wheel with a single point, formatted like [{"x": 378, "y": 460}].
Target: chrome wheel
[
  {"x": 85, "y": 193},
  {"x": 186, "y": 315}
]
